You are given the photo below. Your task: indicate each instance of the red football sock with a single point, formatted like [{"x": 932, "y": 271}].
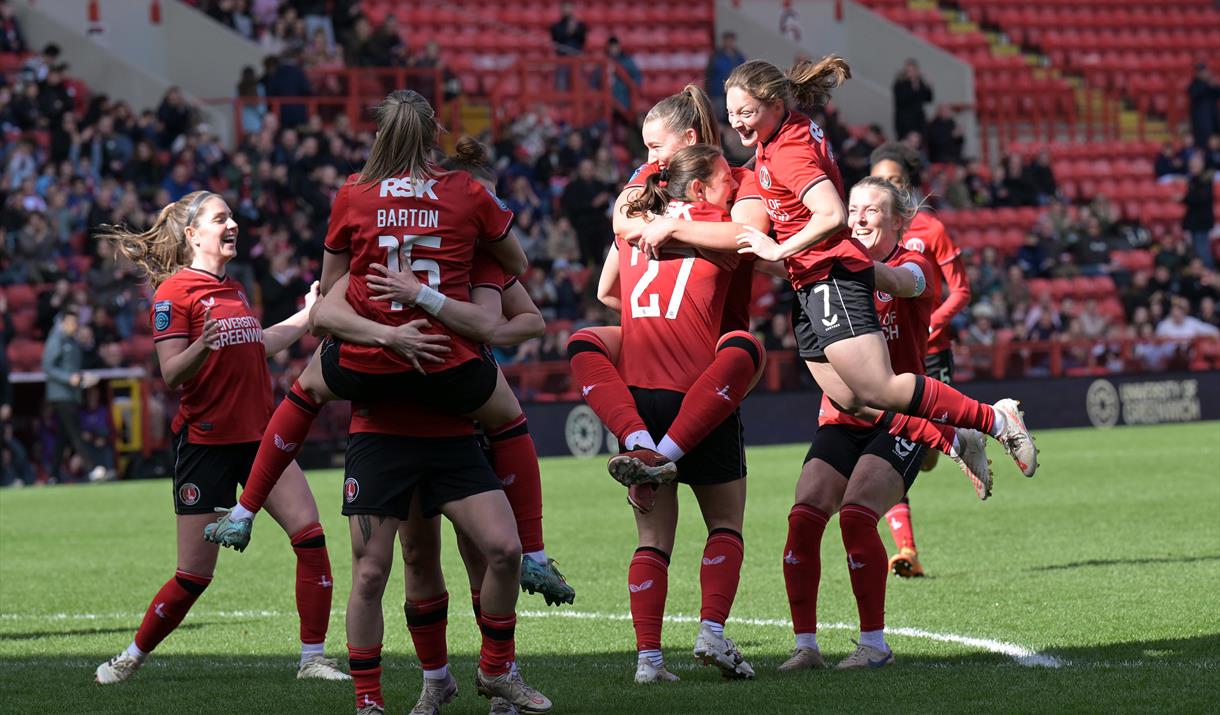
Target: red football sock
[
  {"x": 648, "y": 582},
  {"x": 365, "y": 667},
  {"x": 899, "y": 519},
  {"x": 313, "y": 583},
  {"x": 720, "y": 573},
  {"x": 499, "y": 648},
  {"x": 866, "y": 563},
  {"x": 426, "y": 620},
  {"x": 169, "y": 607},
  {"x": 718, "y": 391},
  {"x": 285, "y": 433},
  {"x": 602, "y": 385},
  {"x": 515, "y": 461},
  {"x": 943, "y": 404},
  {"x": 917, "y": 429},
  {"x": 803, "y": 565}
]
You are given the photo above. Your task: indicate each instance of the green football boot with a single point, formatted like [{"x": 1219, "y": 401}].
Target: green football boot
[
  {"x": 545, "y": 579},
  {"x": 230, "y": 533}
]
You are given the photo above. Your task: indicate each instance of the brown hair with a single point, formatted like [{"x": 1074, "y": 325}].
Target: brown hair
[
  {"x": 688, "y": 109},
  {"x": 907, "y": 159},
  {"x": 696, "y": 161},
  {"x": 805, "y": 84},
  {"x": 902, "y": 202},
  {"x": 471, "y": 157},
  {"x": 406, "y": 136},
  {"x": 163, "y": 249}
]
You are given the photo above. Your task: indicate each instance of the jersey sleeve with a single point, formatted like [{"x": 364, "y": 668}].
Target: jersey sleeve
[
  {"x": 940, "y": 245},
  {"x": 486, "y": 272},
  {"x": 931, "y": 290},
  {"x": 640, "y": 175},
  {"x": 171, "y": 314},
  {"x": 339, "y": 231},
  {"x": 747, "y": 185},
  {"x": 798, "y": 167},
  {"x": 492, "y": 216}
]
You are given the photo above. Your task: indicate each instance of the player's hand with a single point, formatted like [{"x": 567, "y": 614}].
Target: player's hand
[
  {"x": 652, "y": 236},
  {"x": 211, "y": 331},
  {"x": 753, "y": 241},
  {"x": 311, "y": 298},
  {"x": 398, "y": 286},
  {"x": 419, "y": 347}
]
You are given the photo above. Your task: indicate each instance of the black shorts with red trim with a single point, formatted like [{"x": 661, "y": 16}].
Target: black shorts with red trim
[
  {"x": 838, "y": 307},
  {"x": 206, "y": 476},
  {"x": 842, "y": 447},
  {"x": 459, "y": 390},
  {"x": 384, "y": 472},
  {"x": 939, "y": 366},
  {"x": 719, "y": 458}
]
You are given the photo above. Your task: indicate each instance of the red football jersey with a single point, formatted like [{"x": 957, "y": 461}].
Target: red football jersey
[
  {"x": 229, "y": 400},
  {"x": 927, "y": 235},
  {"x": 672, "y": 308},
  {"x": 486, "y": 272},
  {"x": 904, "y": 322},
  {"x": 790, "y": 163},
  {"x": 431, "y": 225},
  {"x": 406, "y": 419}
]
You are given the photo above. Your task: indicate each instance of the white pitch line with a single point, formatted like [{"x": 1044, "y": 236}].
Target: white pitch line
[{"x": 1020, "y": 654}]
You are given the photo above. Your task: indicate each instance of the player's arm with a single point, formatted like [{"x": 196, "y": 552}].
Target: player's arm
[
  {"x": 335, "y": 265},
  {"x": 181, "y": 358},
  {"x": 823, "y": 201},
  {"x": 958, "y": 297},
  {"x": 285, "y": 333},
  {"x": 467, "y": 319},
  {"x": 771, "y": 268},
  {"x": 608, "y": 282},
  {"x": 508, "y": 253},
  {"x": 337, "y": 256},
  {"x": 333, "y": 315},
  {"x": 904, "y": 281},
  {"x": 523, "y": 319}
]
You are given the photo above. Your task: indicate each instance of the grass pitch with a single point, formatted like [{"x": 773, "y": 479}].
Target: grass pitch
[{"x": 1107, "y": 564}]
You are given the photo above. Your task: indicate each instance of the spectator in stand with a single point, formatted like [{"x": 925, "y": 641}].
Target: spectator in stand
[
  {"x": 98, "y": 435},
  {"x": 35, "y": 68},
  {"x": 1092, "y": 323},
  {"x": 317, "y": 19},
  {"x": 1090, "y": 248},
  {"x": 568, "y": 37},
  {"x": 1012, "y": 185},
  {"x": 1040, "y": 175},
  {"x": 1204, "y": 94},
  {"x": 282, "y": 287},
  {"x": 1032, "y": 258},
  {"x": 1208, "y": 313},
  {"x": 856, "y": 153},
  {"x": 15, "y": 467},
  {"x": 619, "y": 88},
  {"x": 431, "y": 58},
  {"x": 725, "y": 58},
  {"x": 944, "y": 138},
  {"x": 1181, "y": 326},
  {"x": 911, "y": 93},
  {"x": 175, "y": 117},
  {"x": 1170, "y": 165},
  {"x": 12, "y": 40},
  {"x": 287, "y": 79},
  {"x": 249, "y": 90},
  {"x": 1200, "y": 201},
  {"x": 6, "y": 336},
  {"x": 586, "y": 202},
  {"x": 389, "y": 48},
  {"x": 323, "y": 56},
  {"x": 61, "y": 362}
]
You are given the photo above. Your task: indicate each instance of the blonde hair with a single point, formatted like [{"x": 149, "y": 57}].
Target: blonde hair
[
  {"x": 805, "y": 84},
  {"x": 696, "y": 161},
  {"x": 406, "y": 138},
  {"x": 688, "y": 109},
  {"x": 162, "y": 249},
  {"x": 902, "y": 202}
]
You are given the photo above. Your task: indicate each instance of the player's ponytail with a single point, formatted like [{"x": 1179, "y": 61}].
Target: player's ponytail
[
  {"x": 806, "y": 83},
  {"x": 162, "y": 249},
  {"x": 688, "y": 109},
  {"x": 697, "y": 161},
  {"x": 902, "y": 202},
  {"x": 470, "y": 156},
  {"x": 406, "y": 138}
]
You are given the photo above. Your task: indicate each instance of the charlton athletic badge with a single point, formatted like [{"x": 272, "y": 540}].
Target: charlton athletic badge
[
  {"x": 351, "y": 488},
  {"x": 188, "y": 494},
  {"x": 764, "y": 177}
]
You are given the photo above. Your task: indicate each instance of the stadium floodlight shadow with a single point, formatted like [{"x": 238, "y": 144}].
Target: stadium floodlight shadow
[{"x": 1127, "y": 562}]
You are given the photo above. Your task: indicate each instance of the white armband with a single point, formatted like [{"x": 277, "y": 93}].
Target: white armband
[
  {"x": 430, "y": 301},
  {"x": 920, "y": 281}
]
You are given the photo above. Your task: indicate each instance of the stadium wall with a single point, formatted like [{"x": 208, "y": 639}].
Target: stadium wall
[
  {"x": 564, "y": 429},
  {"x": 873, "y": 46}
]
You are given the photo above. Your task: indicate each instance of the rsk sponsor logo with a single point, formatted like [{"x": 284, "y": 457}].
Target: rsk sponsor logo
[{"x": 408, "y": 187}]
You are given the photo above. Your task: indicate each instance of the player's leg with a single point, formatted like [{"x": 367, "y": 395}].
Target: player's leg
[
  {"x": 648, "y": 582},
  {"x": 905, "y": 563},
  {"x": 723, "y": 505},
  {"x": 938, "y": 366},
  {"x": 292, "y": 505},
  {"x": 882, "y": 476},
  {"x": 196, "y": 563},
  {"x": 427, "y": 607},
  {"x": 372, "y": 558},
  {"x": 515, "y": 461},
  {"x": 819, "y": 492}
]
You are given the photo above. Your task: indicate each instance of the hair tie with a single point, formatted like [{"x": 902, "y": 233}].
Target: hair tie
[
  {"x": 194, "y": 209},
  {"x": 663, "y": 178}
]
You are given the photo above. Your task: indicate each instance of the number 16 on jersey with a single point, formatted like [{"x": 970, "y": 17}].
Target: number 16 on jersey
[{"x": 398, "y": 254}]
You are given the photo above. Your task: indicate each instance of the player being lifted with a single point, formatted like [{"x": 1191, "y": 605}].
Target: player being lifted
[{"x": 210, "y": 344}]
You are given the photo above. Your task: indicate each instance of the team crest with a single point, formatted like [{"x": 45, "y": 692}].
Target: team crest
[
  {"x": 884, "y": 297},
  {"x": 916, "y": 244},
  {"x": 188, "y": 494},
  {"x": 161, "y": 314},
  {"x": 351, "y": 488},
  {"x": 764, "y": 177}
]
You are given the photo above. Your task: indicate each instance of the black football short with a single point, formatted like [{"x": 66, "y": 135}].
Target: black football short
[
  {"x": 719, "y": 458},
  {"x": 939, "y": 366},
  {"x": 459, "y": 390},
  {"x": 206, "y": 475},
  {"x": 383, "y": 473},
  {"x": 842, "y": 447},
  {"x": 838, "y": 307}
]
